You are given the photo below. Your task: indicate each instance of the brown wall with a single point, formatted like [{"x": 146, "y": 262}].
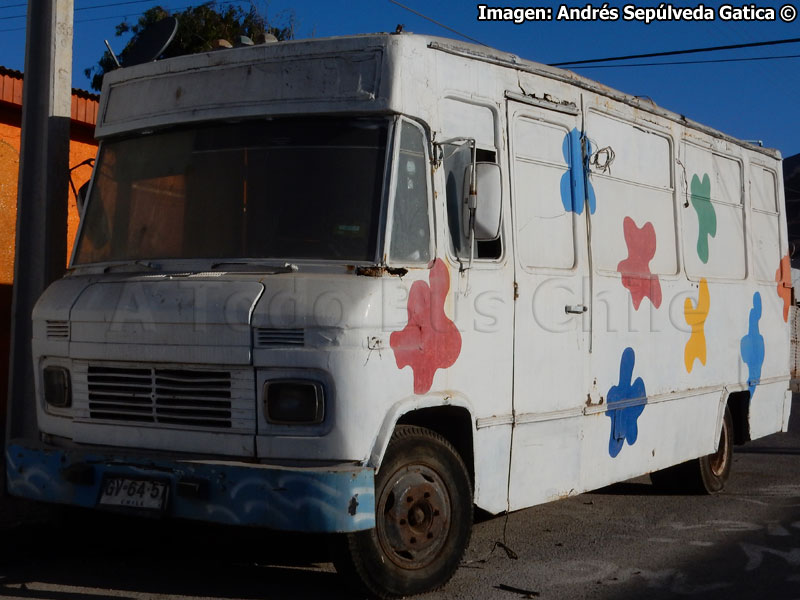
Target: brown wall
[{"x": 82, "y": 146}]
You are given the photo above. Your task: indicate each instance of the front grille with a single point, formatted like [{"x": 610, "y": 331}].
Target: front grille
[{"x": 197, "y": 398}]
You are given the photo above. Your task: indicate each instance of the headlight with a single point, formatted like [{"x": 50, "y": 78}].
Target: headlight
[
  {"x": 57, "y": 389},
  {"x": 293, "y": 402}
]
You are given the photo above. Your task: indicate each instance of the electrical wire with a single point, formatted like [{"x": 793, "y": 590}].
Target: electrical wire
[
  {"x": 675, "y": 52},
  {"x": 688, "y": 62},
  {"x": 111, "y": 4},
  {"x": 126, "y": 15},
  {"x": 427, "y": 18}
]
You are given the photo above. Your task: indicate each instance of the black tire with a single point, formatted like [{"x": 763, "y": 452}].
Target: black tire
[
  {"x": 704, "y": 475},
  {"x": 423, "y": 511}
]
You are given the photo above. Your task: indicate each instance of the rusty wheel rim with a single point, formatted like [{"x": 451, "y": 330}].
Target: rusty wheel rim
[
  {"x": 414, "y": 517},
  {"x": 719, "y": 460}
]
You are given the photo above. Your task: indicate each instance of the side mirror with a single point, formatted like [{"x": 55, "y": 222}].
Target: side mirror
[
  {"x": 489, "y": 197},
  {"x": 81, "y": 197}
]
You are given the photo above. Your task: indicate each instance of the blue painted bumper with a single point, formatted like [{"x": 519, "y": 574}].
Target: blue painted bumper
[{"x": 321, "y": 499}]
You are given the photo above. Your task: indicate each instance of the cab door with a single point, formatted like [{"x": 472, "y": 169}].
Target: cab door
[{"x": 550, "y": 200}]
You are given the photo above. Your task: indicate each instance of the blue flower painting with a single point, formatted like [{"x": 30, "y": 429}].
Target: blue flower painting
[
  {"x": 575, "y": 185},
  {"x": 752, "y": 346},
  {"x": 631, "y": 397}
]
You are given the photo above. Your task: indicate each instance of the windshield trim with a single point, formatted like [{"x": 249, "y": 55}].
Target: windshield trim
[{"x": 82, "y": 210}]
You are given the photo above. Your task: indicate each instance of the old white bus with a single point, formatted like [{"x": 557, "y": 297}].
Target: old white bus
[{"x": 361, "y": 285}]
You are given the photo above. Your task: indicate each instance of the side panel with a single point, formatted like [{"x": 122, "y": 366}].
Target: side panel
[
  {"x": 550, "y": 340},
  {"x": 688, "y": 304},
  {"x": 481, "y": 297}
]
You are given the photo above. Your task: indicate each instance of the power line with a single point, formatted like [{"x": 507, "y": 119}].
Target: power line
[
  {"x": 112, "y": 4},
  {"x": 689, "y": 62},
  {"x": 172, "y": 8},
  {"x": 675, "y": 52},
  {"x": 123, "y": 16},
  {"x": 107, "y": 5},
  {"x": 419, "y": 14}
]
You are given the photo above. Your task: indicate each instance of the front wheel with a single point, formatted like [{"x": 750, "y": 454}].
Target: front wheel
[{"x": 423, "y": 518}]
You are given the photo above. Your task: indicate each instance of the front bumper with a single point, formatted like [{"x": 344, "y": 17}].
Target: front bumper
[{"x": 331, "y": 499}]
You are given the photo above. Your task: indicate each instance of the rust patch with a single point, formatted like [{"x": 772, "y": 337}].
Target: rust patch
[
  {"x": 565, "y": 495},
  {"x": 590, "y": 403},
  {"x": 378, "y": 271},
  {"x": 351, "y": 508}
]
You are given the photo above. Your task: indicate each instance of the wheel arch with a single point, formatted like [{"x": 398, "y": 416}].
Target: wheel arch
[
  {"x": 449, "y": 416},
  {"x": 739, "y": 405}
]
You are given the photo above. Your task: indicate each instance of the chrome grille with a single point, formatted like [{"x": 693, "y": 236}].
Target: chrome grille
[
  {"x": 198, "y": 398},
  {"x": 269, "y": 337}
]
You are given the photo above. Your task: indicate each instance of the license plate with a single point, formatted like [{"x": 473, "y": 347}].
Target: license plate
[{"x": 124, "y": 492}]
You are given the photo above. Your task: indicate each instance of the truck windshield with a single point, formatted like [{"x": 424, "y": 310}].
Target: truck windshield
[{"x": 283, "y": 189}]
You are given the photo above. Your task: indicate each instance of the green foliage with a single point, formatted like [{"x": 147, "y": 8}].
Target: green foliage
[{"x": 199, "y": 27}]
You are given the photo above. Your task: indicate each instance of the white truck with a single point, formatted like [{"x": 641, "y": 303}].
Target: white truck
[{"x": 360, "y": 285}]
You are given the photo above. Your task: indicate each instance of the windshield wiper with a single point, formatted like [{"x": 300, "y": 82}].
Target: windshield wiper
[
  {"x": 285, "y": 268},
  {"x": 141, "y": 263}
]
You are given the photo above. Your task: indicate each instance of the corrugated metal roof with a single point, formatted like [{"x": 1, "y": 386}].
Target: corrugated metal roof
[
  {"x": 84, "y": 104},
  {"x": 10, "y": 86}
]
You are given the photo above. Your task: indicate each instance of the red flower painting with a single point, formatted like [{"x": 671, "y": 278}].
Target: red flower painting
[
  {"x": 635, "y": 269},
  {"x": 784, "y": 278},
  {"x": 430, "y": 340}
]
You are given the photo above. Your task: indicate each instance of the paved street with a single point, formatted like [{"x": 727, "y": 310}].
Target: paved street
[{"x": 622, "y": 542}]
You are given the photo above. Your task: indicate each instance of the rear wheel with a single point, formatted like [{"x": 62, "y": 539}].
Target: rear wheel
[
  {"x": 423, "y": 519},
  {"x": 704, "y": 475}
]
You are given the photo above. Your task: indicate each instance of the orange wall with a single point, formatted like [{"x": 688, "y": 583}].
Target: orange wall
[
  {"x": 81, "y": 147},
  {"x": 9, "y": 168}
]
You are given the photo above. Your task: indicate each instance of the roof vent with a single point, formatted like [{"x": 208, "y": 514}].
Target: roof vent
[{"x": 266, "y": 38}]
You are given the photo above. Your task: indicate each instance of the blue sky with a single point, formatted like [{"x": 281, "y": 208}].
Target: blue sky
[{"x": 752, "y": 100}]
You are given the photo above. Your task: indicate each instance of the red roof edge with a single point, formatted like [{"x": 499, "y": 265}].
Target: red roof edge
[{"x": 84, "y": 104}]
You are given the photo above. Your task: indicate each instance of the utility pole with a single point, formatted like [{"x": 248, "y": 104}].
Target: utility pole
[{"x": 42, "y": 195}]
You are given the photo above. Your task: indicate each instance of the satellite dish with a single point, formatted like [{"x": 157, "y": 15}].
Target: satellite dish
[{"x": 150, "y": 43}]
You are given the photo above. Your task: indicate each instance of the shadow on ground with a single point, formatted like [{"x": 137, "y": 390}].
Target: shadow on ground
[{"x": 88, "y": 553}]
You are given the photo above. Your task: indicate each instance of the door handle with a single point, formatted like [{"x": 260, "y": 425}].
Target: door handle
[{"x": 575, "y": 309}]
